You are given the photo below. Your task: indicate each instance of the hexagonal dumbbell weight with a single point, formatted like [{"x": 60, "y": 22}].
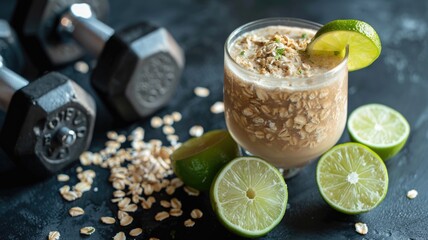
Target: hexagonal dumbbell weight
[
  {"x": 49, "y": 122},
  {"x": 138, "y": 68}
]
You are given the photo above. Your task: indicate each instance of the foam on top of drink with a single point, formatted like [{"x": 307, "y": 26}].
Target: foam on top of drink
[{"x": 279, "y": 51}]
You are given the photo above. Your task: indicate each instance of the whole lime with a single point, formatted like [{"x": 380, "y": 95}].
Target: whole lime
[{"x": 197, "y": 161}]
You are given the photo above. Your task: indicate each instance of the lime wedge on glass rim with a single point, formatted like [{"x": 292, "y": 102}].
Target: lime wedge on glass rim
[
  {"x": 381, "y": 128},
  {"x": 249, "y": 196},
  {"x": 352, "y": 178},
  {"x": 197, "y": 161},
  {"x": 363, "y": 41}
]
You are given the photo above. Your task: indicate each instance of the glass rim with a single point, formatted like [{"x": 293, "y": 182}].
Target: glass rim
[{"x": 272, "y": 79}]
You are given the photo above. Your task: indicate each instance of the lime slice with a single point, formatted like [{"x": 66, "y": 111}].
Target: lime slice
[
  {"x": 379, "y": 127},
  {"x": 352, "y": 178},
  {"x": 198, "y": 160},
  {"x": 249, "y": 196},
  {"x": 362, "y": 39}
]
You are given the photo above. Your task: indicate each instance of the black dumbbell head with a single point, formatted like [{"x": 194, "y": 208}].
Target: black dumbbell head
[
  {"x": 36, "y": 24},
  {"x": 48, "y": 125},
  {"x": 138, "y": 71}
]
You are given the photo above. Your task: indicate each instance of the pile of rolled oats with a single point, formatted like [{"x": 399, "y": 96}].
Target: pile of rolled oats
[{"x": 136, "y": 173}]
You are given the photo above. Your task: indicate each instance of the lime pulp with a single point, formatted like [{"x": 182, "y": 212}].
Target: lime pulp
[
  {"x": 352, "y": 178},
  {"x": 249, "y": 196}
]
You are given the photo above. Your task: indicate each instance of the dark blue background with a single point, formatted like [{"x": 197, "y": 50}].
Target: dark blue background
[{"x": 398, "y": 79}]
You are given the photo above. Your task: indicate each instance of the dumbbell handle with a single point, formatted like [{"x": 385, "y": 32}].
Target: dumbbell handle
[
  {"x": 86, "y": 29},
  {"x": 10, "y": 82}
]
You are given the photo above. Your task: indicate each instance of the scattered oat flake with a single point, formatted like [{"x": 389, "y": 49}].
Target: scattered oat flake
[
  {"x": 412, "y": 194},
  {"x": 64, "y": 189},
  {"x": 175, "y": 203},
  {"x": 172, "y": 138},
  {"x": 82, "y": 187},
  {"x": 121, "y": 138},
  {"x": 87, "y": 230},
  {"x": 156, "y": 122},
  {"x": 121, "y": 214},
  {"x": 168, "y": 130},
  {"x": 63, "y": 177},
  {"x": 136, "y": 198},
  {"x": 137, "y": 134},
  {"x": 112, "y": 135},
  {"x": 81, "y": 67},
  {"x": 112, "y": 145},
  {"x": 168, "y": 120},
  {"x": 86, "y": 158},
  {"x": 119, "y": 236},
  {"x": 135, "y": 232},
  {"x": 108, "y": 220},
  {"x": 217, "y": 107},
  {"x": 54, "y": 235},
  {"x": 160, "y": 216},
  {"x": 148, "y": 190},
  {"x": 196, "y": 131},
  {"x": 124, "y": 202},
  {"x": 196, "y": 213},
  {"x": 130, "y": 208},
  {"x": 177, "y": 182},
  {"x": 170, "y": 190},
  {"x": 201, "y": 92},
  {"x": 151, "y": 199},
  {"x": 165, "y": 204},
  {"x": 87, "y": 176},
  {"x": 361, "y": 228},
  {"x": 191, "y": 191},
  {"x": 125, "y": 221},
  {"x": 175, "y": 212},
  {"x": 189, "y": 223},
  {"x": 146, "y": 204},
  {"x": 176, "y": 116},
  {"x": 76, "y": 211},
  {"x": 70, "y": 196}
]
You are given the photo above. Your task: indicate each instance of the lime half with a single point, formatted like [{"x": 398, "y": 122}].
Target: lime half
[
  {"x": 352, "y": 178},
  {"x": 249, "y": 196},
  {"x": 198, "y": 160},
  {"x": 363, "y": 41},
  {"x": 379, "y": 127}
]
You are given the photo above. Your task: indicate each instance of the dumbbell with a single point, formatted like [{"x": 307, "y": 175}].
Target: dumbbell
[
  {"x": 49, "y": 122},
  {"x": 138, "y": 68}
]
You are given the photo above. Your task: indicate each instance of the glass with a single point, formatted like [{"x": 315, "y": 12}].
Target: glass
[{"x": 289, "y": 121}]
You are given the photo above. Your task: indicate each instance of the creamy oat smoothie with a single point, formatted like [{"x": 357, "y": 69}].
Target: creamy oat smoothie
[{"x": 280, "y": 103}]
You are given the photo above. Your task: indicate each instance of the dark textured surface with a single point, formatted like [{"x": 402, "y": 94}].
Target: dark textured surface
[{"x": 397, "y": 78}]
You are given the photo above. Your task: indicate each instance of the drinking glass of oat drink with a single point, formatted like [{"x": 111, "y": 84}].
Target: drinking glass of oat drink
[{"x": 281, "y": 103}]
